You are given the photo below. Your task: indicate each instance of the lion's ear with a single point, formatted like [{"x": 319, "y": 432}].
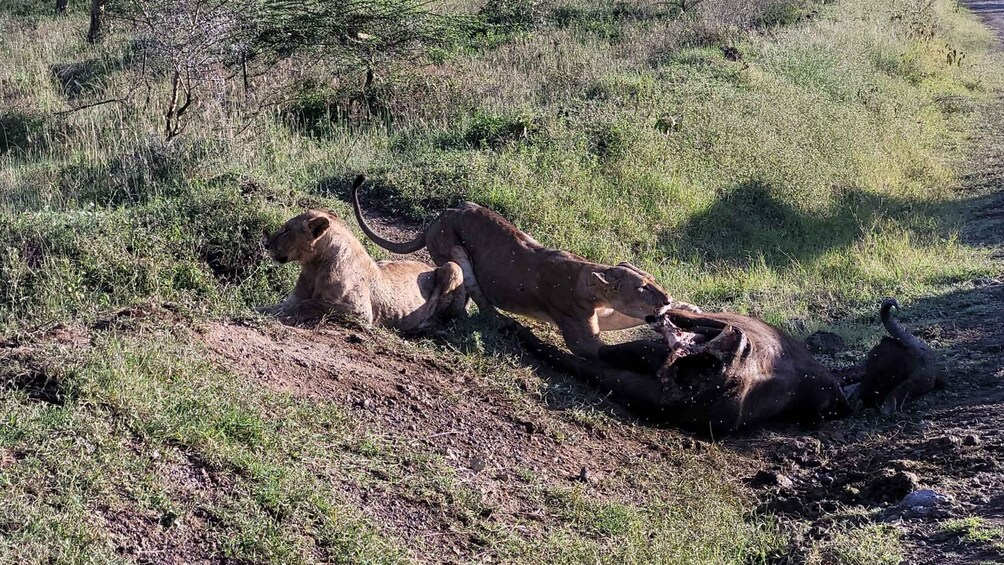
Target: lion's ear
[
  {"x": 317, "y": 226},
  {"x": 600, "y": 279}
]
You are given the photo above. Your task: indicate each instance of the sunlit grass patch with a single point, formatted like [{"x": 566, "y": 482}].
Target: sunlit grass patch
[{"x": 870, "y": 544}]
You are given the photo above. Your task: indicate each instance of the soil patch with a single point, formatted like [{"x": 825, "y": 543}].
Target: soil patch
[{"x": 415, "y": 398}]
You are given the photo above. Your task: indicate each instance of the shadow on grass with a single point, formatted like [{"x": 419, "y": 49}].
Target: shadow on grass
[
  {"x": 984, "y": 220},
  {"x": 21, "y": 132},
  {"x": 81, "y": 78},
  {"x": 753, "y": 221}
]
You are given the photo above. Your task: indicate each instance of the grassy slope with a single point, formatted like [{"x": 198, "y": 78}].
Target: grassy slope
[{"x": 800, "y": 185}]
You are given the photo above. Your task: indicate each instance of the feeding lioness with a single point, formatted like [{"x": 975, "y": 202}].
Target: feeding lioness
[
  {"x": 338, "y": 276},
  {"x": 505, "y": 268}
]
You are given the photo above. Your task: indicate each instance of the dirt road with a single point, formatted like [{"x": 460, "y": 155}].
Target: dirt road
[{"x": 992, "y": 12}]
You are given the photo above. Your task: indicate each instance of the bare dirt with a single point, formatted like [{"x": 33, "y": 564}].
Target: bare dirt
[{"x": 419, "y": 400}]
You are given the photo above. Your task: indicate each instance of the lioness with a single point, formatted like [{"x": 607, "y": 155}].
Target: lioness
[
  {"x": 899, "y": 368},
  {"x": 339, "y": 276},
  {"x": 505, "y": 268}
]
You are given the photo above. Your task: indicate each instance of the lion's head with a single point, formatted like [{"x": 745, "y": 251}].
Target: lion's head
[
  {"x": 296, "y": 240},
  {"x": 631, "y": 291}
]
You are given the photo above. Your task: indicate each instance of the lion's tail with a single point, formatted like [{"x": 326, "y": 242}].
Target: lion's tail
[{"x": 392, "y": 246}]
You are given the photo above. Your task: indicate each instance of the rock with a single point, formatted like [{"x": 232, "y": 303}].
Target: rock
[
  {"x": 584, "y": 475},
  {"x": 942, "y": 445},
  {"x": 354, "y": 338},
  {"x": 925, "y": 497},
  {"x": 826, "y": 343},
  {"x": 772, "y": 478},
  {"x": 477, "y": 464},
  {"x": 971, "y": 440},
  {"x": 925, "y": 503},
  {"x": 890, "y": 485}
]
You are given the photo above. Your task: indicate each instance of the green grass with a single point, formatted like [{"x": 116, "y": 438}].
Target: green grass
[
  {"x": 975, "y": 530},
  {"x": 162, "y": 439},
  {"x": 862, "y": 545},
  {"x": 801, "y": 184}
]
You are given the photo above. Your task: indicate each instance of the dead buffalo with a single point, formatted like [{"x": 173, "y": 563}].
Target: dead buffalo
[{"x": 718, "y": 372}]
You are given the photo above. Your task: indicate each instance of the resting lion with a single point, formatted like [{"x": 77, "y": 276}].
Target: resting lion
[
  {"x": 339, "y": 277},
  {"x": 505, "y": 268},
  {"x": 719, "y": 372}
]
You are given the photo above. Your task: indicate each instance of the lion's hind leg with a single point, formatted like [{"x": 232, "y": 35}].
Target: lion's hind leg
[
  {"x": 450, "y": 290},
  {"x": 459, "y": 256}
]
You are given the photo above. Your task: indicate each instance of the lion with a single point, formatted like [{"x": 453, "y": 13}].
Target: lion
[
  {"x": 339, "y": 277},
  {"x": 506, "y": 268},
  {"x": 899, "y": 368}
]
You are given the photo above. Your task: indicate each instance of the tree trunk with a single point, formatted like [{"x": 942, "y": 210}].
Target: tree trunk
[
  {"x": 61, "y": 7},
  {"x": 97, "y": 28}
]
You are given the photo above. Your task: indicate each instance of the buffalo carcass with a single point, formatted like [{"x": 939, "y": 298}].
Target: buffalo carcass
[{"x": 719, "y": 372}]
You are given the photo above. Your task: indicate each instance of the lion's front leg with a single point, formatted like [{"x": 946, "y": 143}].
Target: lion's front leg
[
  {"x": 300, "y": 311},
  {"x": 582, "y": 336},
  {"x": 277, "y": 309},
  {"x": 610, "y": 319}
]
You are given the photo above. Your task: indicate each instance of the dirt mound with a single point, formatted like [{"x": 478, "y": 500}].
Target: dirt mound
[{"x": 402, "y": 391}]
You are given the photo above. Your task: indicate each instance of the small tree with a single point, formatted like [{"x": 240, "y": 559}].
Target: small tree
[{"x": 258, "y": 49}]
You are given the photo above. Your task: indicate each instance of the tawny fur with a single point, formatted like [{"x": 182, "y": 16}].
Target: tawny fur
[
  {"x": 339, "y": 277},
  {"x": 505, "y": 268}
]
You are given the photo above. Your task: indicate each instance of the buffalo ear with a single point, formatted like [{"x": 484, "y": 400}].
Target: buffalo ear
[{"x": 318, "y": 226}]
